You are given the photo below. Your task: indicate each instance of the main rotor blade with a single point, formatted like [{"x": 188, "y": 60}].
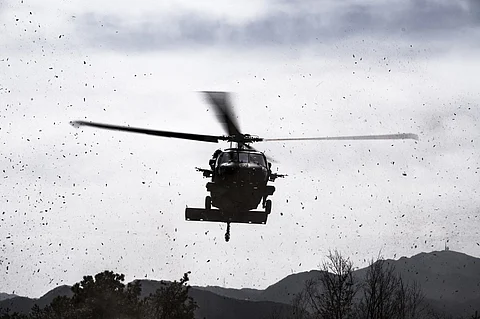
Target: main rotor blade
[
  {"x": 224, "y": 111},
  {"x": 185, "y": 136},
  {"x": 270, "y": 159},
  {"x": 401, "y": 136}
]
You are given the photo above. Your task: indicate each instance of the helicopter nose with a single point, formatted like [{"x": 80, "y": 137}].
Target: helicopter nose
[
  {"x": 258, "y": 174},
  {"x": 227, "y": 169}
]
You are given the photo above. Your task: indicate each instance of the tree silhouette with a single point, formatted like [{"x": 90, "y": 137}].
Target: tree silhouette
[
  {"x": 337, "y": 283},
  {"x": 329, "y": 296},
  {"x": 60, "y": 307},
  {"x": 383, "y": 293},
  {"x": 379, "y": 291},
  {"x": 171, "y": 301},
  {"x": 5, "y": 314},
  {"x": 105, "y": 296},
  {"x": 300, "y": 306},
  {"x": 387, "y": 296}
]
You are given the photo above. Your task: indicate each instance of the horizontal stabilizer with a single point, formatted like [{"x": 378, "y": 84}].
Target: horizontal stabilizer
[{"x": 215, "y": 215}]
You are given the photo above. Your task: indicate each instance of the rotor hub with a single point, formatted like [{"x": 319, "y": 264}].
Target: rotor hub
[{"x": 243, "y": 138}]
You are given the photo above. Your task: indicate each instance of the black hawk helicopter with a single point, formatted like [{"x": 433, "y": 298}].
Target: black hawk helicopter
[{"x": 239, "y": 174}]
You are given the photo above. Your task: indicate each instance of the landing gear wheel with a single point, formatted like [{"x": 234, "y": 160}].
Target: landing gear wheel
[
  {"x": 208, "y": 203},
  {"x": 268, "y": 206},
  {"x": 227, "y": 234}
]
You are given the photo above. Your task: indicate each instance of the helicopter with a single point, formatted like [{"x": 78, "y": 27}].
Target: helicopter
[{"x": 239, "y": 175}]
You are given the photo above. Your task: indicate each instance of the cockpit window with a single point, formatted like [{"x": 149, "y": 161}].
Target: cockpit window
[
  {"x": 257, "y": 159},
  {"x": 241, "y": 157},
  {"x": 228, "y": 157}
]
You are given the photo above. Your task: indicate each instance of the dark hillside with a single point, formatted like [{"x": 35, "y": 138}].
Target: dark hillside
[{"x": 450, "y": 281}]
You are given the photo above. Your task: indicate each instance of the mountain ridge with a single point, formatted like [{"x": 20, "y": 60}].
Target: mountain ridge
[{"x": 449, "y": 279}]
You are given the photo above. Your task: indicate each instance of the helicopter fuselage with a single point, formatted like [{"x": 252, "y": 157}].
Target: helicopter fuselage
[{"x": 239, "y": 180}]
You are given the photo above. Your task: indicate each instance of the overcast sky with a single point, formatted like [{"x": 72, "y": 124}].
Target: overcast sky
[{"x": 77, "y": 202}]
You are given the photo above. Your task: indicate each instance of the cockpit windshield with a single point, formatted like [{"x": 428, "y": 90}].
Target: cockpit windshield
[
  {"x": 241, "y": 157},
  {"x": 228, "y": 157},
  {"x": 257, "y": 159}
]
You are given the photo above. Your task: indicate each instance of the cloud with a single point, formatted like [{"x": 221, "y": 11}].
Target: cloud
[{"x": 285, "y": 24}]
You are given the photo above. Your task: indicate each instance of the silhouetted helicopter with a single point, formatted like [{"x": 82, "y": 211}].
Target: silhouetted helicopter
[{"x": 239, "y": 174}]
